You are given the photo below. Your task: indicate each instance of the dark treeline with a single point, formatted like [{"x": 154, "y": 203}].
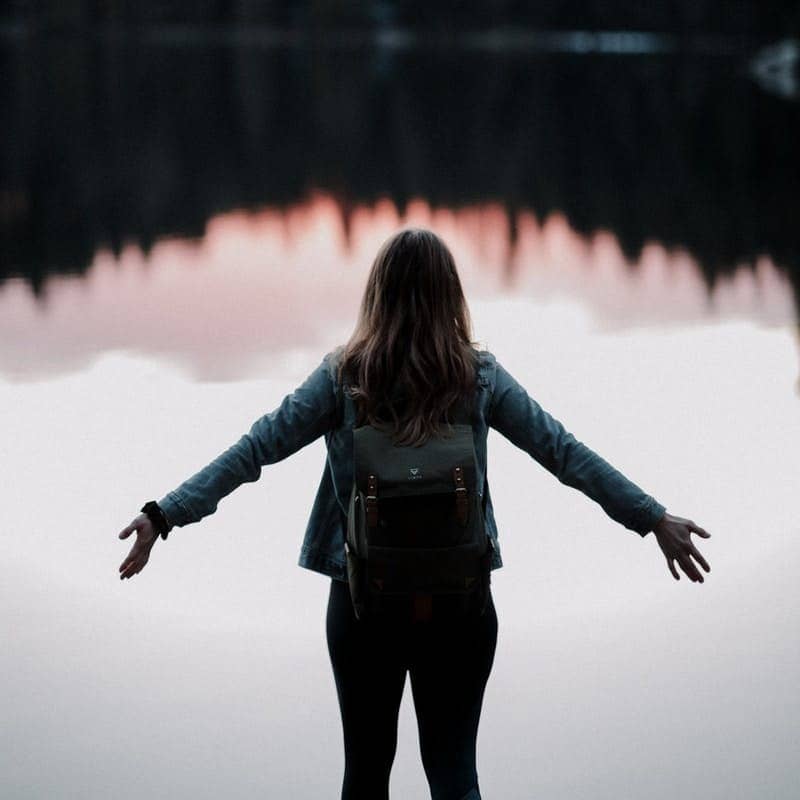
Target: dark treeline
[
  {"x": 107, "y": 143},
  {"x": 738, "y": 17}
]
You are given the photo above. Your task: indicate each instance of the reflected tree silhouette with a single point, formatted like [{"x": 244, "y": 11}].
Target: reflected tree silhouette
[{"x": 111, "y": 140}]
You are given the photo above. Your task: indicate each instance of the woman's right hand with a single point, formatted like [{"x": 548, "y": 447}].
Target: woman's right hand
[
  {"x": 673, "y": 535},
  {"x": 139, "y": 555}
]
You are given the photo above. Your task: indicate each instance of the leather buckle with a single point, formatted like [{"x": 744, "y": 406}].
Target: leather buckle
[
  {"x": 372, "y": 501},
  {"x": 461, "y": 496}
]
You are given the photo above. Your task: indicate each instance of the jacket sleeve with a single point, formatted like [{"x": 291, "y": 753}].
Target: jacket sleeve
[
  {"x": 303, "y": 416},
  {"x": 521, "y": 420}
]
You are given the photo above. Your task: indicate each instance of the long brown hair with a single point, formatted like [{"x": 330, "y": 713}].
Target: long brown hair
[{"x": 411, "y": 356}]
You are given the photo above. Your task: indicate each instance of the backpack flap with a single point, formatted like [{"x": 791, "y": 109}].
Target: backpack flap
[{"x": 404, "y": 470}]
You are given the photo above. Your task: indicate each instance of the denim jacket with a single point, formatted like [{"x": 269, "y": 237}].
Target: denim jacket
[{"x": 311, "y": 411}]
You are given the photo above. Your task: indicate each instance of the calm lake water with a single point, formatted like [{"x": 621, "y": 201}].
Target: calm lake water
[{"x": 178, "y": 264}]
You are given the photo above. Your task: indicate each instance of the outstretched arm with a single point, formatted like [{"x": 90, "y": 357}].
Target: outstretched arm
[
  {"x": 526, "y": 424},
  {"x": 518, "y": 417},
  {"x": 303, "y": 416}
]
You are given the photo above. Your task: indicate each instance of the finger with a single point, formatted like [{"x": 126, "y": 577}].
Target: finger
[
  {"x": 127, "y": 531},
  {"x": 689, "y": 568},
  {"x": 134, "y": 557},
  {"x": 697, "y": 572},
  {"x": 673, "y": 570},
  {"x": 134, "y": 554},
  {"x": 698, "y": 530},
  {"x": 129, "y": 562},
  {"x": 699, "y": 558},
  {"x": 130, "y": 570},
  {"x": 126, "y": 563}
]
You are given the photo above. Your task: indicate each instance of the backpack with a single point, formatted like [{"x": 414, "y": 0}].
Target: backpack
[{"x": 416, "y": 543}]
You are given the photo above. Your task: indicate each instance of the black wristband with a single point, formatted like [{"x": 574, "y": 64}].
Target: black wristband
[{"x": 157, "y": 517}]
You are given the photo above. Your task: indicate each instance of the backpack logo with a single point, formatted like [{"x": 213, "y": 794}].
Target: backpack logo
[{"x": 414, "y": 473}]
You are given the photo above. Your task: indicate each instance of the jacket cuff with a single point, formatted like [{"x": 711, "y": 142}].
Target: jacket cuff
[
  {"x": 174, "y": 510},
  {"x": 649, "y": 515},
  {"x": 157, "y": 518}
]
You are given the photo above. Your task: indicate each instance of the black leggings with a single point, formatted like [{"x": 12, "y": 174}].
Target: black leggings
[{"x": 449, "y": 663}]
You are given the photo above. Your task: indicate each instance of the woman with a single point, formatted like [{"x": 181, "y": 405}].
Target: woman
[{"x": 413, "y": 359}]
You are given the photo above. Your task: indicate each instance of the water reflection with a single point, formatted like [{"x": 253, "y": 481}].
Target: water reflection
[
  {"x": 257, "y": 285},
  {"x": 140, "y": 142}
]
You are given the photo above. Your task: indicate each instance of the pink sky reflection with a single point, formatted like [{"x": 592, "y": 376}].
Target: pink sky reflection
[{"x": 264, "y": 283}]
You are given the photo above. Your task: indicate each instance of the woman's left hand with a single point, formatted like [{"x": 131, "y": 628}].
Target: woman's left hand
[
  {"x": 140, "y": 552},
  {"x": 673, "y": 535}
]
